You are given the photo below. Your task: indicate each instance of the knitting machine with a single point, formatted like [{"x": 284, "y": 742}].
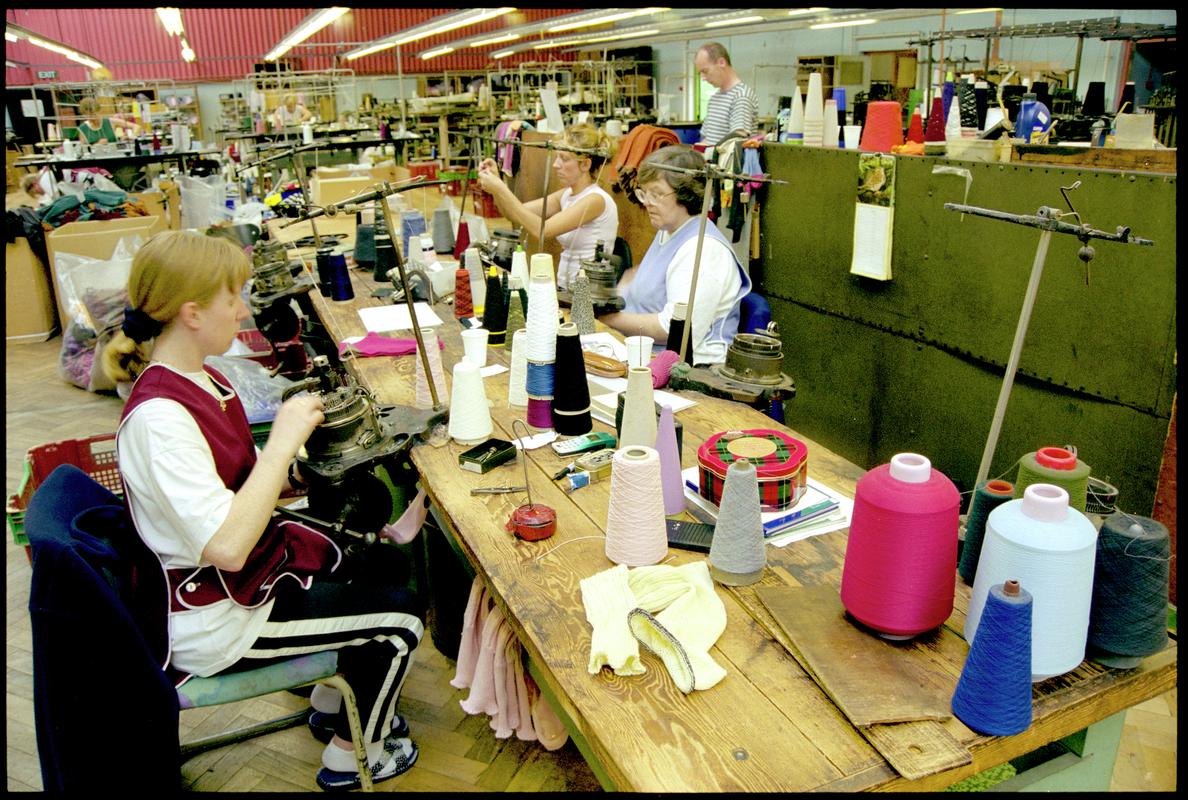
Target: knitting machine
[
  {"x": 603, "y": 272},
  {"x": 341, "y": 456},
  {"x": 750, "y": 375},
  {"x": 276, "y": 282}
]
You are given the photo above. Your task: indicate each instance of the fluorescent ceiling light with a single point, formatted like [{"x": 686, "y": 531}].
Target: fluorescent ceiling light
[
  {"x": 73, "y": 55},
  {"x": 441, "y": 51},
  {"x": 308, "y": 27},
  {"x": 187, "y": 52},
  {"x": 507, "y": 37},
  {"x": 172, "y": 20},
  {"x": 504, "y": 53},
  {"x": 796, "y": 12},
  {"x": 735, "y": 21},
  {"x": 10, "y": 38},
  {"x": 451, "y": 22},
  {"x": 974, "y": 11},
  {"x": 605, "y": 18},
  {"x": 366, "y": 51},
  {"x": 842, "y": 24}
]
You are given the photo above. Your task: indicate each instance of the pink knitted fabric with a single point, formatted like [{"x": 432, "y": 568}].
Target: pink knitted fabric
[
  {"x": 405, "y": 529},
  {"x": 472, "y": 629},
  {"x": 661, "y": 367}
]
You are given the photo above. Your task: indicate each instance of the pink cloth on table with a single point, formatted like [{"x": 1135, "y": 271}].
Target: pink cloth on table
[
  {"x": 472, "y": 630},
  {"x": 376, "y": 344}
]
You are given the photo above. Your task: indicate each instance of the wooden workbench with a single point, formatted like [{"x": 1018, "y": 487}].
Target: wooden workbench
[{"x": 768, "y": 726}]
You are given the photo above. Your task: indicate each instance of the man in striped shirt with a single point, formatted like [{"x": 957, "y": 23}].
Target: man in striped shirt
[{"x": 733, "y": 108}]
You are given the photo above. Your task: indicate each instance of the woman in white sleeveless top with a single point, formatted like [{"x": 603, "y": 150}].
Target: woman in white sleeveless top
[{"x": 580, "y": 215}]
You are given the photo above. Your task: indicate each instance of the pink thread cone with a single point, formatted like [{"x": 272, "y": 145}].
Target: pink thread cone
[
  {"x": 463, "y": 239},
  {"x": 670, "y": 464}
]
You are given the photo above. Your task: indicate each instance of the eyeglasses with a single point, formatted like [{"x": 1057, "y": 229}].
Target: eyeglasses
[{"x": 647, "y": 198}]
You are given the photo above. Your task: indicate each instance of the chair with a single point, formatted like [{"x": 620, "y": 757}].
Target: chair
[
  {"x": 98, "y": 613},
  {"x": 754, "y": 314}
]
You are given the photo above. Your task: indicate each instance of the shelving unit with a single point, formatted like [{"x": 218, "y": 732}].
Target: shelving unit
[
  {"x": 157, "y": 103},
  {"x": 321, "y": 91}
]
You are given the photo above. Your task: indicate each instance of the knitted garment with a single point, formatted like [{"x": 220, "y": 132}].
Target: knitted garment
[
  {"x": 673, "y": 611},
  {"x": 491, "y": 664}
]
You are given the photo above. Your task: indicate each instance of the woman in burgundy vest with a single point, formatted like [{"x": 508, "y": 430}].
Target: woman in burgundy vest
[{"x": 244, "y": 588}]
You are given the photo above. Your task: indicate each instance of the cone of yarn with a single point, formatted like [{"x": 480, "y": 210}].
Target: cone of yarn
[
  {"x": 1094, "y": 104},
  {"x": 968, "y": 105},
  {"x": 422, "y": 396},
  {"x": 1128, "y": 616},
  {"x": 670, "y": 463},
  {"x": 463, "y": 239},
  {"x": 426, "y": 255},
  {"x": 635, "y": 527},
  {"x": 915, "y": 99},
  {"x": 581, "y": 310},
  {"x": 543, "y": 309},
  {"x": 839, "y": 99},
  {"x": 1057, "y": 466},
  {"x": 365, "y": 246},
  {"x": 571, "y": 393},
  {"x": 796, "y": 118},
  {"x": 988, "y": 496},
  {"x": 443, "y": 231},
  {"x": 1050, "y": 548},
  {"x": 738, "y": 553},
  {"x": 517, "y": 394},
  {"x": 515, "y": 309},
  {"x": 916, "y": 128},
  {"x": 993, "y": 694},
  {"x": 463, "y": 307},
  {"x": 478, "y": 281},
  {"x": 385, "y": 257},
  {"x": 540, "y": 413},
  {"x": 814, "y": 112},
  {"x": 883, "y": 129},
  {"x": 676, "y": 327},
  {"x": 981, "y": 103},
  {"x": 901, "y": 556},
  {"x": 412, "y": 223},
  {"x": 519, "y": 265},
  {"x": 470, "y": 416},
  {"x": 495, "y": 310},
  {"x": 830, "y": 131},
  {"x": 934, "y": 131},
  {"x": 948, "y": 90},
  {"x": 639, "y": 409},
  {"x": 953, "y": 121}
]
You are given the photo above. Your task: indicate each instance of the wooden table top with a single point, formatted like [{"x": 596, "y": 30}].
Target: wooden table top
[{"x": 768, "y": 725}]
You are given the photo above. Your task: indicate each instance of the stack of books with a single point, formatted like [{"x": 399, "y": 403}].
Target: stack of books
[{"x": 819, "y": 510}]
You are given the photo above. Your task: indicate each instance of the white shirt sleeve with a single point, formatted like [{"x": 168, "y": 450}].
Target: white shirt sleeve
[
  {"x": 174, "y": 489},
  {"x": 717, "y": 284}
]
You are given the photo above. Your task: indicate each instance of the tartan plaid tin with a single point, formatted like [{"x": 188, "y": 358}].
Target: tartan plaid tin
[{"x": 781, "y": 465}]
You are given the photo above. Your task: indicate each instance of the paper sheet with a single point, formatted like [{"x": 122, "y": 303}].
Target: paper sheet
[
  {"x": 552, "y": 109},
  {"x": 492, "y": 369},
  {"x": 381, "y": 319}
]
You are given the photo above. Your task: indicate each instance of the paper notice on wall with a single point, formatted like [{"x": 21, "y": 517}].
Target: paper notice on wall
[
  {"x": 552, "y": 109},
  {"x": 874, "y": 216}
]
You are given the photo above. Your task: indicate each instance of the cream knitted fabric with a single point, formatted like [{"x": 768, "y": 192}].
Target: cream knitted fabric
[
  {"x": 690, "y": 619},
  {"x": 674, "y": 611},
  {"x": 607, "y": 599}
]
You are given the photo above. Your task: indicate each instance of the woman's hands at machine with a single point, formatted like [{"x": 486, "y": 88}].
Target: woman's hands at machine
[
  {"x": 295, "y": 421},
  {"x": 488, "y": 176}
]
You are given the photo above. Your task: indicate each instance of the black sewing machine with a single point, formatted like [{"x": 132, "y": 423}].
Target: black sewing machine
[
  {"x": 750, "y": 375},
  {"x": 276, "y": 282}
]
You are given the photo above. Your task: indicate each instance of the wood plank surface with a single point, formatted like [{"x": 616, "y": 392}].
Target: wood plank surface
[{"x": 768, "y": 726}]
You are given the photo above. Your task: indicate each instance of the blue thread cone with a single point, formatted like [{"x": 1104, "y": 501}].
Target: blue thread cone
[{"x": 993, "y": 694}]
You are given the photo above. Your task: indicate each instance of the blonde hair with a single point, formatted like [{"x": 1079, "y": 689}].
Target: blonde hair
[
  {"x": 171, "y": 269},
  {"x": 88, "y": 107},
  {"x": 585, "y": 136}
]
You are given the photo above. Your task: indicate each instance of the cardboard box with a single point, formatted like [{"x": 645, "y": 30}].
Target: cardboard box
[
  {"x": 333, "y": 190},
  {"x": 29, "y": 313},
  {"x": 96, "y": 239}
]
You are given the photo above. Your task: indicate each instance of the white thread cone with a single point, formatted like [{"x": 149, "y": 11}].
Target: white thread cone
[
  {"x": 517, "y": 394},
  {"x": 543, "y": 309},
  {"x": 953, "y": 121},
  {"x": 519, "y": 266},
  {"x": 796, "y": 118},
  {"x": 635, "y": 528},
  {"x": 478, "y": 283},
  {"x": 670, "y": 463},
  {"x": 738, "y": 553},
  {"x": 814, "y": 112},
  {"x": 639, "y": 410},
  {"x": 830, "y": 130},
  {"x": 423, "y": 399},
  {"x": 470, "y": 416}
]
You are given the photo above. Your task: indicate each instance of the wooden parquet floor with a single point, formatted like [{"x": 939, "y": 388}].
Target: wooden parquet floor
[{"x": 458, "y": 752}]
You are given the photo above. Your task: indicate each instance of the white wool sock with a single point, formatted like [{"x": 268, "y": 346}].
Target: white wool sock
[
  {"x": 339, "y": 760},
  {"x": 607, "y": 599},
  {"x": 326, "y": 699}
]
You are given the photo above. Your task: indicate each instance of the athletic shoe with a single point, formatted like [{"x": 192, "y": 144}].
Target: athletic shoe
[
  {"x": 398, "y": 757},
  {"x": 321, "y": 725}
]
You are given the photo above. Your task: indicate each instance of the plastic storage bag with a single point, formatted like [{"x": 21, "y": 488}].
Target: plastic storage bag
[{"x": 203, "y": 200}]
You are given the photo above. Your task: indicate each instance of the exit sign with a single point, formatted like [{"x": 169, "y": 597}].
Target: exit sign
[{"x": 47, "y": 73}]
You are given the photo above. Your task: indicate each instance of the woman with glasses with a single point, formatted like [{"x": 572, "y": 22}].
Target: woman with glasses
[
  {"x": 580, "y": 215},
  {"x": 673, "y": 200}
]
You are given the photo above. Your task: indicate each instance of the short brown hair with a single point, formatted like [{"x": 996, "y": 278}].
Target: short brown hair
[
  {"x": 714, "y": 51},
  {"x": 690, "y": 189}
]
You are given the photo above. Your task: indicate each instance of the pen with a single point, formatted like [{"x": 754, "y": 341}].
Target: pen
[{"x": 499, "y": 489}]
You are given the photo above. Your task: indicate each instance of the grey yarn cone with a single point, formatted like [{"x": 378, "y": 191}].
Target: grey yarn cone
[
  {"x": 738, "y": 553},
  {"x": 582, "y": 310}
]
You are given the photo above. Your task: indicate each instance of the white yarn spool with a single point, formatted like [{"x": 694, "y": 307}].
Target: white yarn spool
[
  {"x": 639, "y": 410},
  {"x": 423, "y": 399},
  {"x": 796, "y": 117},
  {"x": 738, "y": 553},
  {"x": 519, "y": 267},
  {"x": 635, "y": 526},
  {"x": 470, "y": 415},
  {"x": 543, "y": 310},
  {"x": 517, "y": 395},
  {"x": 478, "y": 283},
  {"x": 1051, "y": 549},
  {"x": 814, "y": 112},
  {"x": 830, "y": 132}
]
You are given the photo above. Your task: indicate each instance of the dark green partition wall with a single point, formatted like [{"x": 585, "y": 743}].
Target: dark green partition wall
[{"x": 916, "y": 363}]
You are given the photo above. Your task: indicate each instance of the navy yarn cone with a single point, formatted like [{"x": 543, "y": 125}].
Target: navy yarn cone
[{"x": 993, "y": 694}]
